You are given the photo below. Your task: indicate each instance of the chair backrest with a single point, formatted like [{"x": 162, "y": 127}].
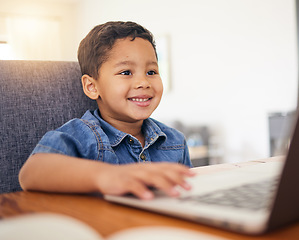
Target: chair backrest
[{"x": 36, "y": 96}]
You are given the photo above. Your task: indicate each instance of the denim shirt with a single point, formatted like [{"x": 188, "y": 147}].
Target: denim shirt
[{"x": 92, "y": 138}]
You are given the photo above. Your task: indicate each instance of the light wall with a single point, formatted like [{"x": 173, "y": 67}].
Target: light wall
[
  {"x": 232, "y": 62},
  {"x": 60, "y": 46}
]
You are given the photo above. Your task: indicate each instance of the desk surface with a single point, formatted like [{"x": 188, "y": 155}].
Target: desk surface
[{"x": 108, "y": 218}]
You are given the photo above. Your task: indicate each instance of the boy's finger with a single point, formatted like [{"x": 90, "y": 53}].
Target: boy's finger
[
  {"x": 179, "y": 168},
  {"x": 140, "y": 190}
]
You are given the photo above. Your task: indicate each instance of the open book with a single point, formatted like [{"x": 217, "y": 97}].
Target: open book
[{"x": 56, "y": 227}]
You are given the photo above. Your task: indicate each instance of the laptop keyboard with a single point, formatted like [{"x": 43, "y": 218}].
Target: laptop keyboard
[{"x": 254, "y": 196}]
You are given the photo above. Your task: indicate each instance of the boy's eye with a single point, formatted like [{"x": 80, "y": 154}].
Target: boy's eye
[
  {"x": 126, "y": 73},
  {"x": 151, "y": 72}
]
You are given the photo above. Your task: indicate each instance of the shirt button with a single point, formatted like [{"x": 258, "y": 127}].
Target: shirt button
[
  {"x": 131, "y": 141},
  {"x": 143, "y": 157}
]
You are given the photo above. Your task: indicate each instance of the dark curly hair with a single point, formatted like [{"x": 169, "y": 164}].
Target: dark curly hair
[{"x": 94, "y": 49}]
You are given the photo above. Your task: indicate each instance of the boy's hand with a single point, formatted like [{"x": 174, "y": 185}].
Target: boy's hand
[{"x": 136, "y": 178}]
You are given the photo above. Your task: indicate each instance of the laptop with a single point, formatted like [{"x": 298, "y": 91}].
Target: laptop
[{"x": 252, "y": 199}]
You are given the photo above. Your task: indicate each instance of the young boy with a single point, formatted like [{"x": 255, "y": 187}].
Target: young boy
[{"x": 106, "y": 150}]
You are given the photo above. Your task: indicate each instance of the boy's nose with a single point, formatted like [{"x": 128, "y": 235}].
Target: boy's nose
[{"x": 142, "y": 82}]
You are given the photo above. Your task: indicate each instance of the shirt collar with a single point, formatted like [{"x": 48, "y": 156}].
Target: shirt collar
[{"x": 151, "y": 131}]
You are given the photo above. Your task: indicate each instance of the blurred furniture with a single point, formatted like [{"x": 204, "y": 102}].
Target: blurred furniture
[
  {"x": 198, "y": 142},
  {"x": 280, "y": 130},
  {"x": 35, "y": 96}
]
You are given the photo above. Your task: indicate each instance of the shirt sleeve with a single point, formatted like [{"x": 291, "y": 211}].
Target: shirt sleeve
[{"x": 74, "y": 139}]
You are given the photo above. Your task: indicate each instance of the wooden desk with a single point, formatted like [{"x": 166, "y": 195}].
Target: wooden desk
[{"x": 108, "y": 218}]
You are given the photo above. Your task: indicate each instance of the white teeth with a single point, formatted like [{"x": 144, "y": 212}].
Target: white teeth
[{"x": 140, "y": 99}]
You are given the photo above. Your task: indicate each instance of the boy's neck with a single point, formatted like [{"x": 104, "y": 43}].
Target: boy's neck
[{"x": 134, "y": 128}]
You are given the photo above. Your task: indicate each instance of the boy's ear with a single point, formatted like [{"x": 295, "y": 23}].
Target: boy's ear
[{"x": 89, "y": 87}]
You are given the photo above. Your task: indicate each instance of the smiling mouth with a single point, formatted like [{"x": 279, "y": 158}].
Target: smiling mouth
[{"x": 139, "y": 99}]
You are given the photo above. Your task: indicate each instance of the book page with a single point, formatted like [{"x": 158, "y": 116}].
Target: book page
[
  {"x": 161, "y": 233},
  {"x": 46, "y": 227}
]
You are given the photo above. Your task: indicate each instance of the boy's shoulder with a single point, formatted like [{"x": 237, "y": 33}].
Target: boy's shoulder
[{"x": 87, "y": 120}]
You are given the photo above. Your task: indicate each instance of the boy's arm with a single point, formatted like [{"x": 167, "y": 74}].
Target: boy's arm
[{"x": 60, "y": 173}]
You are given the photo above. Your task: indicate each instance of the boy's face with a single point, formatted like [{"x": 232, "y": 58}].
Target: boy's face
[{"x": 129, "y": 84}]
